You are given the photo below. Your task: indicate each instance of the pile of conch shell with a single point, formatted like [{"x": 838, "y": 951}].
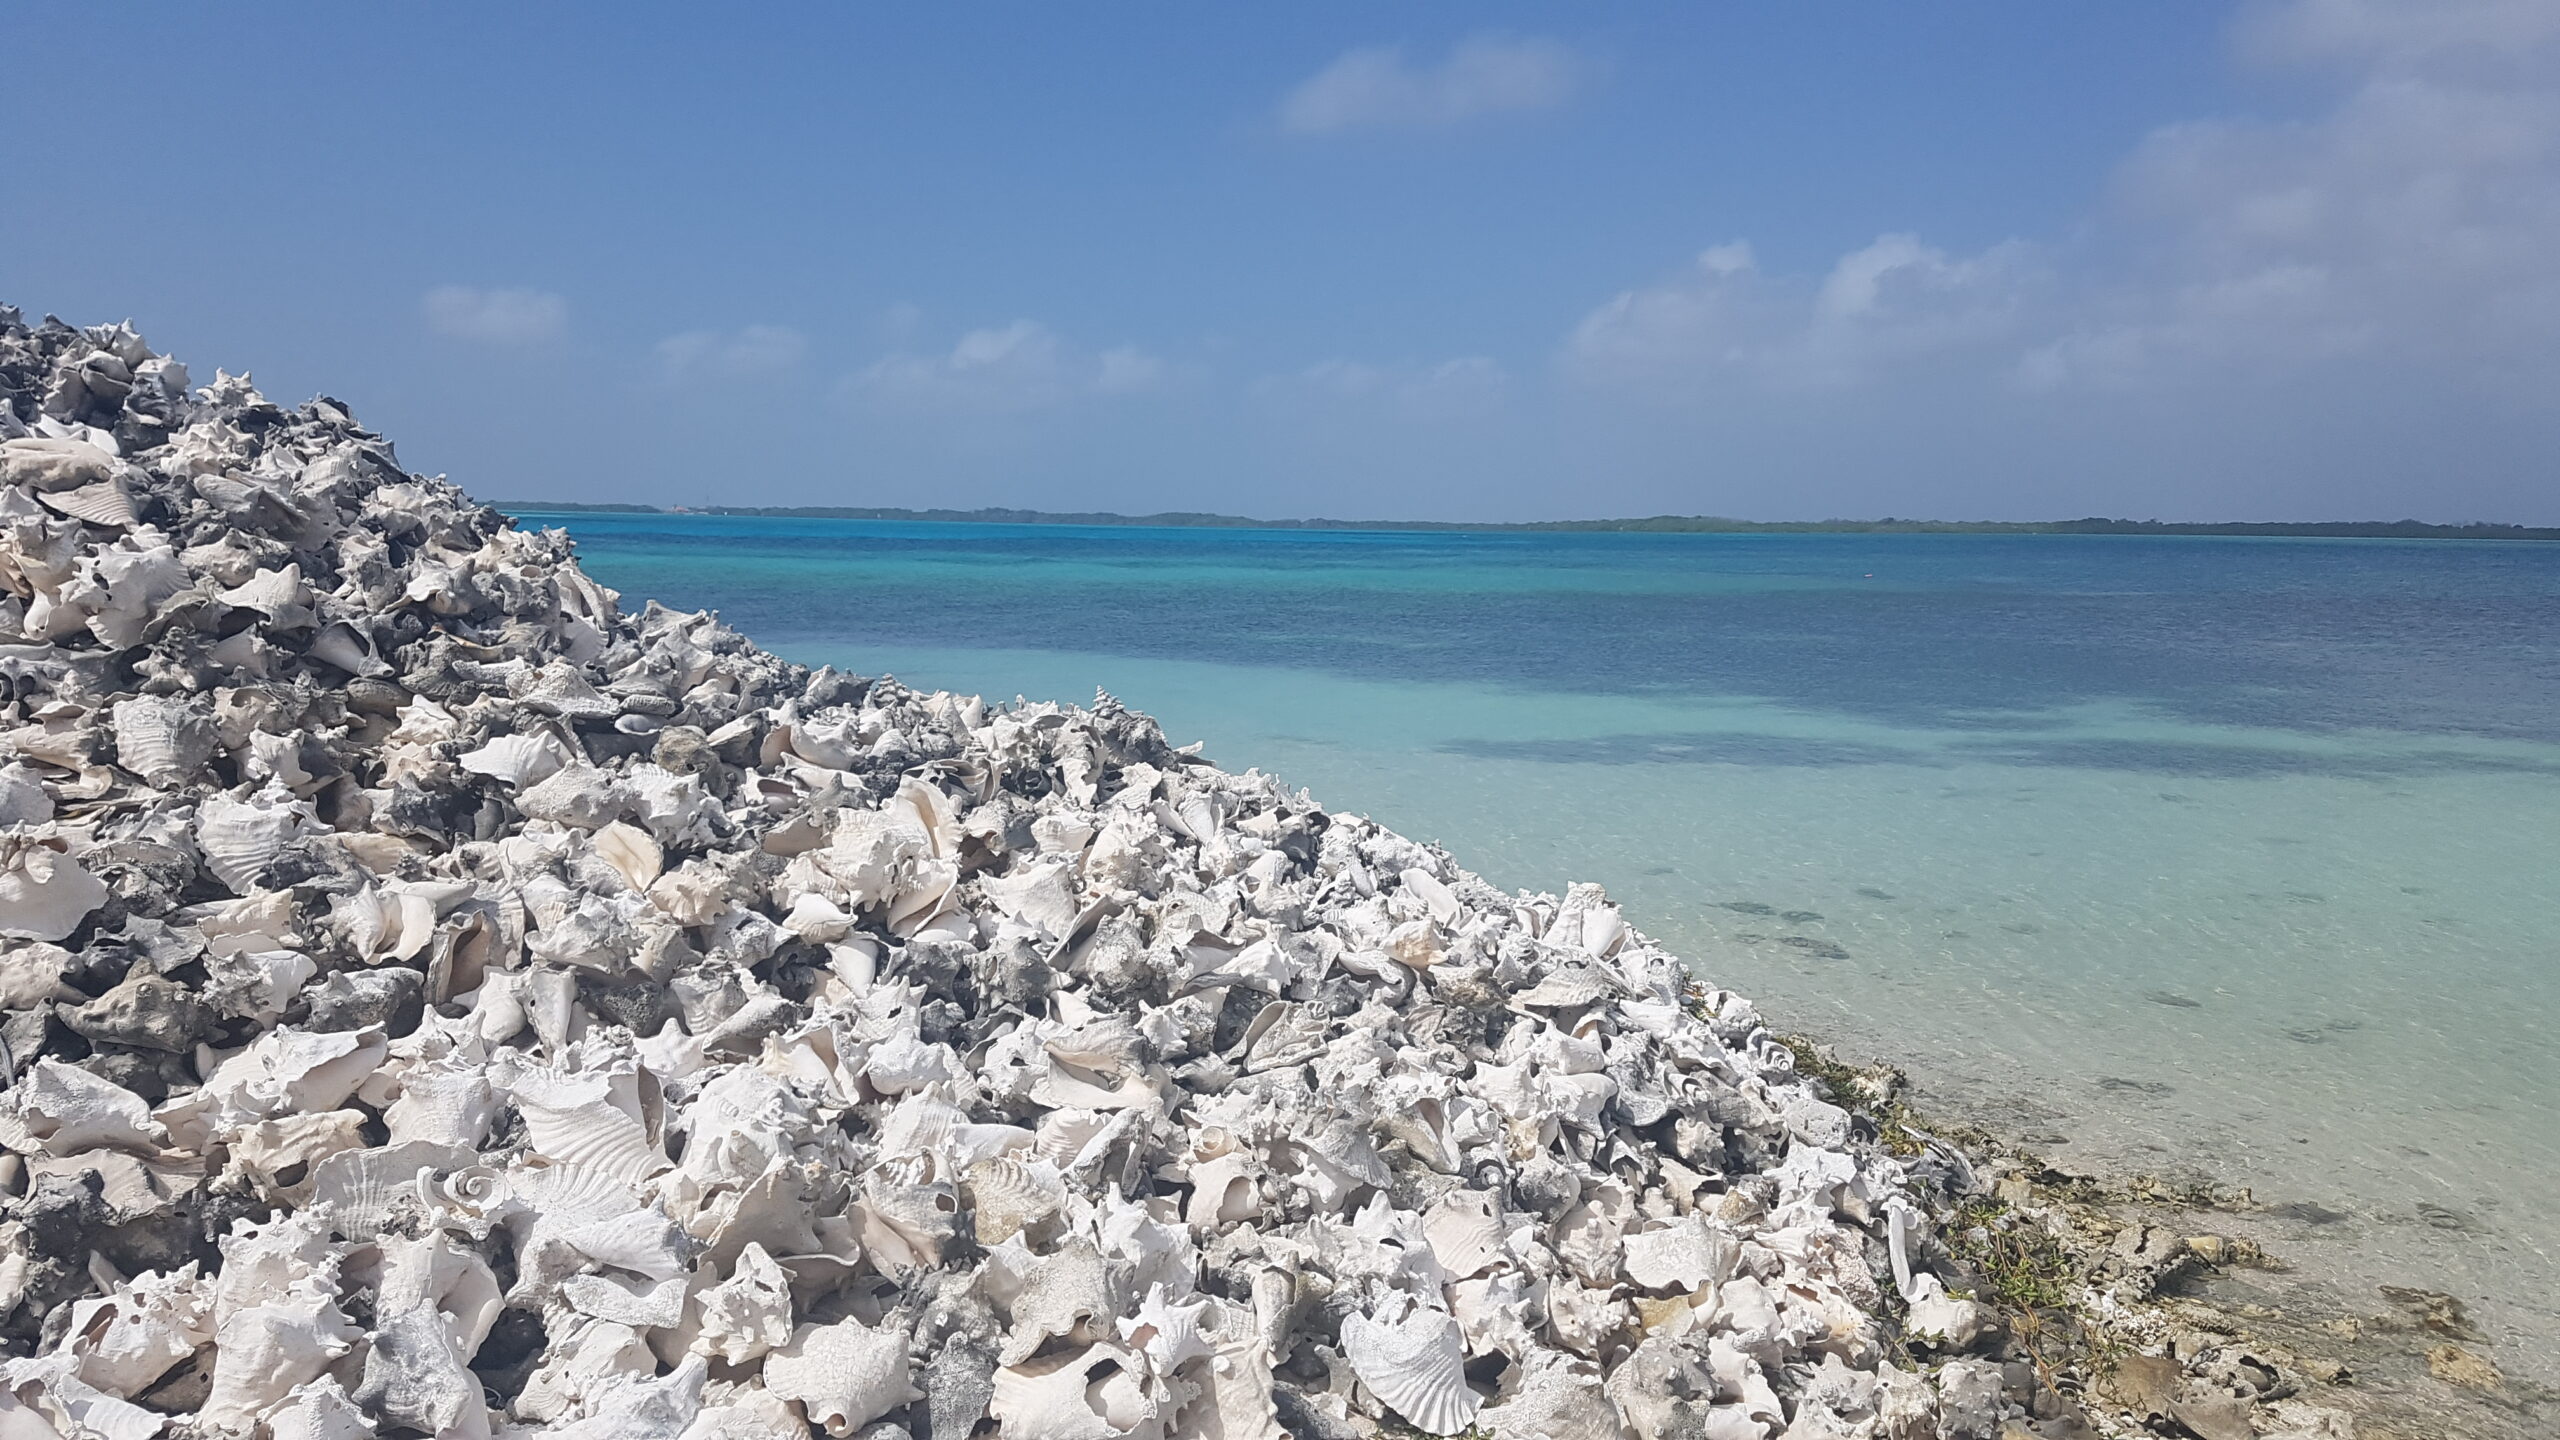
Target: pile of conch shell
[{"x": 438, "y": 1002}]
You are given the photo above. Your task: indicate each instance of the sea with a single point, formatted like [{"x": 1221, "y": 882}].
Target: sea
[{"x": 2211, "y": 859}]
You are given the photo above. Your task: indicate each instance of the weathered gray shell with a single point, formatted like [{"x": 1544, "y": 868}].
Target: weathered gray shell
[{"x": 164, "y": 740}]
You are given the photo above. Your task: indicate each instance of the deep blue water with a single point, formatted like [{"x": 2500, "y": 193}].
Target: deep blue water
[{"x": 1945, "y": 631}]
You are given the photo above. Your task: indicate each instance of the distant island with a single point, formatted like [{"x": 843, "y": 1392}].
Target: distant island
[{"x": 1652, "y": 524}]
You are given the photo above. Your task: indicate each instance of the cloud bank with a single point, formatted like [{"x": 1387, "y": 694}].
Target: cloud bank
[{"x": 2342, "y": 303}]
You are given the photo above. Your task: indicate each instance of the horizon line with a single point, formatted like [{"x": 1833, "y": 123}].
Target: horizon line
[{"x": 2407, "y": 529}]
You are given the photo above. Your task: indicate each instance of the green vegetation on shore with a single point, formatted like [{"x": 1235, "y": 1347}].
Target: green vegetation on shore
[{"x": 1654, "y": 524}]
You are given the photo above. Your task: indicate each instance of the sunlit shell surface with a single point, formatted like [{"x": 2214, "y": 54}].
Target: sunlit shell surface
[{"x": 1416, "y": 1365}]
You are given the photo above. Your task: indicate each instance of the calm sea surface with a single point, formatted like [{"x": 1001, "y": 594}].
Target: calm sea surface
[{"x": 2229, "y": 856}]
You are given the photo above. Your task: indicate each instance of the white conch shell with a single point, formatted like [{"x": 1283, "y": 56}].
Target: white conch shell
[
  {"x": 261, "y": 1262},
  {"x": 905, "y": 1062},
  {"x": 1169, "y": 1334},
  {"x": 366, "y": 1189},
  {"x": 1495, "y": 1311},
  {"x": 905, "y": 1218},
  {"x": 47, "y": 464},
  {"x": 1223, "y": 1191},
  {"x": 319, "y": 1410},
  {"x": 279, "y": 594},
  {"x": 1465, "y": 1233},
  {"x": 128, "y": 1340},
  {"x": 349, "y": 649},
  {"x": 646, "y": 1305},
  {"x": 257, "y": 984},
  {"x": 632, "y": 852},
  {"x": 1584, "y": 1320},
  {"x": 263, "y": 1352},
  {"x": 1069, "y": 1294},
  {"x": 102, "y": 502},
  {"x": 393, "y": 922},
  {"x": 560, "y": 689},
  {"x": 521, "y": 760},
  {"x": 1750, "y": 1313},
  {"x": 240, "y": 837},
  {"x": 1948, "y": 1320},
  {"x": 747, "y": 1314},
  {"x": 1065, "y": 1138},
  {"x": 1442, "y": 902},
  {"x": 1415, "y": 1365},
  {"x": 577, "y": 1120},
  {"x": 1683, "y": 1256},
  {"x": 1065, "y": 1085},
  {"x": 591, "y": 1359},
  {"x": 442, "y": 1104},
  {"x": 1569, "y": 987},
  {"x": 1238, "y": 1404},
  {"x": 1056, "y": 1397},
  {"x": 1042, "y": 895},
  {"x": 645, "y": 1242},
  {"x": 437, "y": 1301},
  {"x": 292, "y": 1145},
  {"x": 748, "y": 1411},
  {"x": 581, "y": 796},
  {"x": 58, "y": 1109},
  {"x": 1011, "y": 1195},
  {"x": 844, "y": 1375},
  {"x": 1588, "y": 1237},
  {"x": 284, "y": 1071},
  {"x": 1414, "y": 944},
  {"x": 47, "y": 1391},
  {"x": 44, "y": 893},
  {"x": 1557, "y": 1399},
  {"x": 31, "y": 976}
]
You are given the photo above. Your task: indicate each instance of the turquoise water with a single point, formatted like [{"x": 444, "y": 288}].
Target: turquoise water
[{"x": 2237, "y": 857}]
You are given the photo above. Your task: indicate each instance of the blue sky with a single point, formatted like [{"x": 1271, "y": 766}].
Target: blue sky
[{"x": 2288, "y": 259}]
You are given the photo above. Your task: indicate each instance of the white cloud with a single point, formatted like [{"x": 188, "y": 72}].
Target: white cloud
[
  {"x": 1884, "y": 304},
  {"x": 731, "y": 355},
  {"x": 2405, "y": 229},
  {"x": 1482, "y": 75},
  {"x": 1024, "y": 366},
  {"x": 495, "y": 317},
  {"x": 2396, "y": 35},
  {"x": 1464, "y": 384},
  {"x": 2408, "y": 227},
  {"x": 1126, "y": 369}
]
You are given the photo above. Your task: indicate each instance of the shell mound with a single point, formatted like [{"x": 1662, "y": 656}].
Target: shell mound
[{"x": 441, "y": 1002}]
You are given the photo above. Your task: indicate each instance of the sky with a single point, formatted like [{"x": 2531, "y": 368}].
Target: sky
[{"x": 2281, "y": 259}]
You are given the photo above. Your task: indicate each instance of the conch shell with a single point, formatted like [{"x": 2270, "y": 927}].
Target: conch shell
[
  {"x": 844, "y": 1376},
  {"x": 44, "y": 893},
  {"x": 1416, "y": 1365}
]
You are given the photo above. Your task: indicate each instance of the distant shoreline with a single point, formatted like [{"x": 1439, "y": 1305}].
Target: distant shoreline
[{"x": 1654, "y": 524}]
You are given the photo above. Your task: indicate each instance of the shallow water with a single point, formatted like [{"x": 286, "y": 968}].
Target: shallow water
[{"x": 2227, "y": 856}]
